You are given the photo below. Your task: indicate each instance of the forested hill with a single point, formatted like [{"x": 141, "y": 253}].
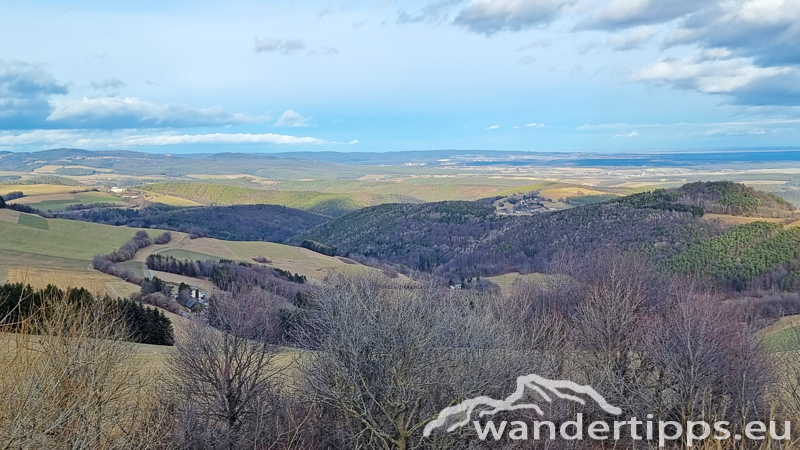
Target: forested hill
[
  {"x": 235, "y": 223},
  {"x": 720, "y": 197},
  {"x": 468, "y": 239}
]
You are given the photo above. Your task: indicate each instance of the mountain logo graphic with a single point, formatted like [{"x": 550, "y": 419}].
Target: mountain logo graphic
[{"x": 546, "y": 388}]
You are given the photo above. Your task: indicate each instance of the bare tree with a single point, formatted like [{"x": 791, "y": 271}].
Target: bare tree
[
  {"x": 225, "y": 377},
  {"x": 388, "y": 358},
  {"x": 68, "y": 381},
  {"x": 710, "y": 364}
]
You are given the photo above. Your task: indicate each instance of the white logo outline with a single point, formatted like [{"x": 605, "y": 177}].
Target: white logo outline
[{"x": 531, "y": 381}]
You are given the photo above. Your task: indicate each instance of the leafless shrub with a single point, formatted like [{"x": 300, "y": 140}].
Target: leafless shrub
[
  {"x": 225, "y": 380},
  {"x": 386, "y": 360},
  {"x": 69, "y": 382},
  {"x": 164, "y": 238}
]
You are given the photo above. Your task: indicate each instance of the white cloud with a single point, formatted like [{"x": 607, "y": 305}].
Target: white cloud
[
  {"x": 292, "y": 119},
  {"x": 492, "y": 16},
  {"x": 353, "y": 142},
  {"x": 219, "y": 138},
  {"x": 50, "y": 138},
  {"x": 632, "y": 40},
  {"x": 114, "y": 112},
  {"x": 629, "y": 135},
  {"x": 25, "y": 90},
  {"x": 493, "y": 127},
  {"x": 283, "y": 46},
  {"x": 761, "y": 123},
  {"x": 766, "y": 30},
  {"x": 619, "y": 14},
  {"x": 745, "y": 82},
  {"x": 435, "y": 12},
  {"x": 535, "y": 125},
  {"x": 740, "y": 128}
]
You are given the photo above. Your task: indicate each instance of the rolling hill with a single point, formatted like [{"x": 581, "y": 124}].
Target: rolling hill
[
  {"x": 333, "y": 205},
  {"x": 468, "y": 239},
  {"x": 43, "y": 251},
  {"x": 236, "y": 223}
]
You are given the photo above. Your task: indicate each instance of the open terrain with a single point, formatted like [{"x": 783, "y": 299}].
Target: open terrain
[{"x": 43, "y": 251}]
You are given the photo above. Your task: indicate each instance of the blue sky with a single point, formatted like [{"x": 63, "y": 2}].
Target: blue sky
[{"x": 383, "y": 75}]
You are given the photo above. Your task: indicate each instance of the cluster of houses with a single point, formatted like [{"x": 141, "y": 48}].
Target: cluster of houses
[
  {"x": 125, "y": 192},
  {"x": 528, "y": 204}
]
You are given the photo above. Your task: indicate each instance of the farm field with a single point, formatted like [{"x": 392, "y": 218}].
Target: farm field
[
  {"x": 36, "y": 189},
  {"x": 169, "y": 200},
  {"x": 42, "y": 251},
  {"x": 783, "y": 336},
  {"x": 60, "y": 201}
]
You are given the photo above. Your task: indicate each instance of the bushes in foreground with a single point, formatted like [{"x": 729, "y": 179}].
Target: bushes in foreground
[{"x": 371, "y": 361}]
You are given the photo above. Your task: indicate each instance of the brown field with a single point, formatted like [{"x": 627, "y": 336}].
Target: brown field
[
  {"x": 51, "y": 169},
  {"x": 209, "y": 246},
  {"x": 294, "y": 259},
  {"x": 739, "y": 220},
  {"x": 572, "y": 191},
  {"x": 37, "y": 189},
  {"x": 9, "y": 215},
  {"x": 96, "y": 282},
  {"x": 43, "y": 198},
  {"x": 169, "y": 200}
]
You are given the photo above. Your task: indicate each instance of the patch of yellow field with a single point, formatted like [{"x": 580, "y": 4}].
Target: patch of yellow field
[
  {"x": 121, "y": 289},
  {"x": 574, "y": 191},
  {"x": 205, "y": 176},
  {"x": 738, "y": 220},
  {"x": 210, "y": 246},
  {"x": 784, "y": 323},
  {"x": 295, "y": 259},
  {"x": 40, "y": 277},
  {"x": 51, "y": 169},
  {"x": 509, "y": 279},
  {"x": 37, "y": 189},
  {"x": 43, "y": 198},
  {"x": 169, "y": 200},
  {"x": 793, "y": 224},
  {"x": 9, "y": 215},
  {"x": 638, "y": 184}
]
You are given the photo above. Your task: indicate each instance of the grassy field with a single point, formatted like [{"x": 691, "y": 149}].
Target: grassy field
[
  {"x": 169, "y": 200},
  {"x": 36, "y": 189},
  {"x": 60, "y": 201},
  {"x": 217, "y": 194},
  {"x": 42, "y": 251},
  {"x": 30, "y": 220}
]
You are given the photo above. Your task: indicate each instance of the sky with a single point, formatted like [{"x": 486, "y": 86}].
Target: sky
[{"x": 387, "y": 75}]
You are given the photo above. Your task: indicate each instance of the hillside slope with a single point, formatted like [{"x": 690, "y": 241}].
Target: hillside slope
[
  {"x": 718, "y": 197},
  {"x": 333, "y": 205},
  {"x": 43, "y": 251},
  {"x": 235, "y": 223},
  {"x": 467, "y": 238}
]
